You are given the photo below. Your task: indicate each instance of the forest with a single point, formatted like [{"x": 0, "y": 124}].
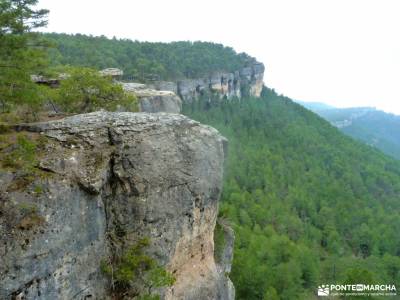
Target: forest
[
  {"x": 309, "y": 205},
  {"x": 143, "y": 61},
  {"x": 369, "y": 125}
]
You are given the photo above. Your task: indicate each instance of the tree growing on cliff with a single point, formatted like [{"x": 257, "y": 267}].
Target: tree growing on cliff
[
  {"x": 136, "y": 274},
  {"x": 22, "y": 52},
  {"x": 86, "y": 90}
]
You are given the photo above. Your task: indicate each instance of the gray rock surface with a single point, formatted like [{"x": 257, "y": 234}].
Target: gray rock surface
[
  {"x": 127, "y": 175},
  {"x": 153, "y": 101},
  {"x": 164, "y": 86}
]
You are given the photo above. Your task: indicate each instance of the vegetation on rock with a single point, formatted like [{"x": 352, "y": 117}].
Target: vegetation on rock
[
  {"x": 134, "y": 270},
  {"x": 219, "y": 242},
  {"x": 86, "y": 90},
  {"x": 19, "y": 153}
]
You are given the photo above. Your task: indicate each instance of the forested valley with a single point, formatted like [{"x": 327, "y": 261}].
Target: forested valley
[{"x": 309, "y": 205}]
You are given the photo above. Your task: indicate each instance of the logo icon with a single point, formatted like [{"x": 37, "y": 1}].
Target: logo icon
[
  {"x": 323, "y": 290},
  {"x": 359, "y": 287}
]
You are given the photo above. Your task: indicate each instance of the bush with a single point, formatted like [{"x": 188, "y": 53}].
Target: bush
[
  {"x": 134, "y": 271},
  {"x": 85, "y": 90}
]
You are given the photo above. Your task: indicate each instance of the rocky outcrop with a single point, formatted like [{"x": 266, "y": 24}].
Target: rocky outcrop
[
  {"x": 223, "y": 255},
  {"x": 248, "y": 80},
  {"x": 105, "y": 181},
  {"x": 161, "y": 96},
  {"x": 153, "y": 101}
]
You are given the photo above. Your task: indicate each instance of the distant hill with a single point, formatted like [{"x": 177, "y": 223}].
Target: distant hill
[
  {"x": 144, "y": 60},
  {"x": 374, "y": 127},
  {"x": 315, "y": 105}
]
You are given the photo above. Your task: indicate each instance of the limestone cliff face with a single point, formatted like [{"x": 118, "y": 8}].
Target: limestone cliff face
[
  {"x": 153, "y": 101},
  {"x": 162, "y": 96},
  {"x": 223, "y": 84},
  {"x": 111, "y": 179}
]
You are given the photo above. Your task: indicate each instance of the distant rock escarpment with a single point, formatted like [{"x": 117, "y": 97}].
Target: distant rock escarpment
[
  {"x": 105, "y": 181},
  {"x": 247, "y": 81},
  {"x": 162, "y": 96}
]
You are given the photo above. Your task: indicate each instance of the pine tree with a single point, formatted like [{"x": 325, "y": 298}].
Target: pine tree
[{"x": 22, "y": 53}]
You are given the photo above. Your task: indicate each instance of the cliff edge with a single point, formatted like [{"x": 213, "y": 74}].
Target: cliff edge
[
  {"x": 162, "y": 96},
  {"x": 247, "y": 81},
  {"x": 101, "y": 183}
]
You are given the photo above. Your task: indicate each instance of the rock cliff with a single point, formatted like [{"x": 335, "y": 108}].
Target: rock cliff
[
  {"x": 248, "y": 80},
  {"x": 161, "y": 96},
  {"x": 102, "y": 182}
]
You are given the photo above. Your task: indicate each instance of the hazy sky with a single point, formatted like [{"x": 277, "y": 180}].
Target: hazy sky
[{"x": 341, "y": 52}]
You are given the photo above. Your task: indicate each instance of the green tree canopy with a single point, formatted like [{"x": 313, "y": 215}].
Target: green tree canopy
[
  {"x": 86, "y": 90},
  {"x": 309, "y": 205},
  {"x": 146, "y": 60},
  {"x": 22, "y": 52}
]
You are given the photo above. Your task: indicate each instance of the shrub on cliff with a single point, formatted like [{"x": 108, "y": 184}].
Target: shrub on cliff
[
  {"x": 85, "y": 90},
  {"x": 134, "y": 271}
]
